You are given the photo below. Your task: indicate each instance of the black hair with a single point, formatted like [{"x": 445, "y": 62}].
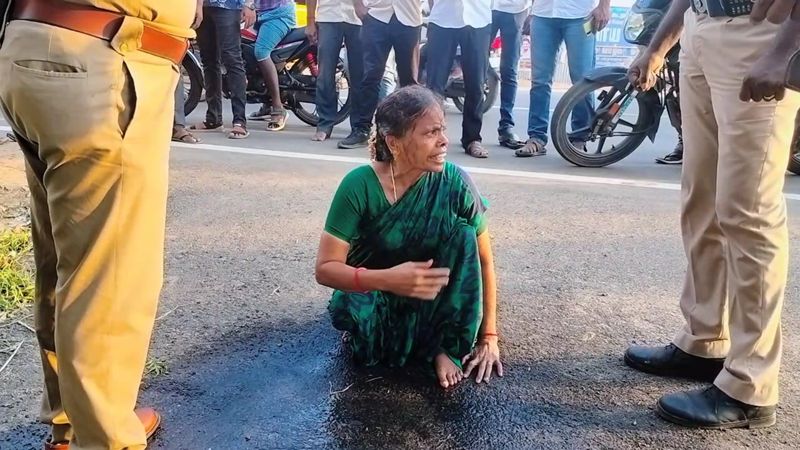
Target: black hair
[{"x": 396, "y": 116}]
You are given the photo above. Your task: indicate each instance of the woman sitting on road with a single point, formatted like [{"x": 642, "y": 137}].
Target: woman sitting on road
[{"x": 407, "y": 250}]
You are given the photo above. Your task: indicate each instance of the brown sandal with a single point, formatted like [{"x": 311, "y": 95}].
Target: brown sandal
[
  {"x": 206, "y": 126},
  {"x": 476, "y": 150},
  {"x": 277, "y": 119},
  {"x": 238, "y": 132},
  {"x": 180, "y": 134}
]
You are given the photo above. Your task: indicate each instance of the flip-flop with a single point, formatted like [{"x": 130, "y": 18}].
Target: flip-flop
[
  {"x": 476, "y": 150},
  {"x": 238, "y": 132},
  {"x": 181, "y": 135},
  {"x": 277, "y": 119}
]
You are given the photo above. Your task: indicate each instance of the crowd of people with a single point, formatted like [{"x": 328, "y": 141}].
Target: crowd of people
[
  {"x": 382, "y": 43},
  {"x": 405, "y": 245}
]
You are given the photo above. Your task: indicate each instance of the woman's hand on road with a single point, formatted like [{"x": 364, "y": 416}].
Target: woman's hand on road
[
  {"x": 417, "y": 279},
  {"x": 484, "y": 358}
]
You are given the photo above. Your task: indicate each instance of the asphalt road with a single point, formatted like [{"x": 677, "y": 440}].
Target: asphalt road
[{"x": 589, "y": 261}]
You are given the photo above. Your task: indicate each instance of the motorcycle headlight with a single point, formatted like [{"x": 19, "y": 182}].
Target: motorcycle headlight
[{"x": 634, "y": 25}]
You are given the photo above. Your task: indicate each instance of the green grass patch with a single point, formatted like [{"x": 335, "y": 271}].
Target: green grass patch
[
  {"x": 155, "y": 368},
  {"x": 16, "y": 276}
]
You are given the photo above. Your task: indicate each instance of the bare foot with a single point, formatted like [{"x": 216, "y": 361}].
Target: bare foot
[
  {"x": 319, "y": 136},
  {"x": 448, "y": 373}
]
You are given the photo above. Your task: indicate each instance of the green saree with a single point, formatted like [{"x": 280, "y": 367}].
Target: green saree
[{"x": 438, "y": 218}]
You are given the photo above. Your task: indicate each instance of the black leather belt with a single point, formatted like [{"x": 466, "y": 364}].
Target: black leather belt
[{"x": 722, "y": 8}]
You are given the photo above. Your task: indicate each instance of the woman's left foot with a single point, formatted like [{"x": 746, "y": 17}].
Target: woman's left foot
[{"x": 447, "y": 371}]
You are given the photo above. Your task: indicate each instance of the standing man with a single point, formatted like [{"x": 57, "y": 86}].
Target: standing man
[
  {"x": 737, "y": 124},
  {"x": 468, "y": 24},
  {"x": 331, "y": 23},
  {"x": 573, "y": 23},
  {"x": 387, "y": 25},
  {"x": 219, "y": 38},
  {"x": 508, "y": 17},
  {"x": 98, "y": 183}
]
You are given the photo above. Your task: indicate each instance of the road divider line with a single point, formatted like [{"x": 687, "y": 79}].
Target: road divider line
[{"x": 562, "y": 178}]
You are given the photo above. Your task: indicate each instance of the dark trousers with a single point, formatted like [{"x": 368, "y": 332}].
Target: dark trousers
[
  {"x": 331, "y": 36},
  {"x": 441, "y": 50},
  {"x": 219, "y": 40},
  {"x": 378, "y": 39},
  {"x": 510, "y": 27}
]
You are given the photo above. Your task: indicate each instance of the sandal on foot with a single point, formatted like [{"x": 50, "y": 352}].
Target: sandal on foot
[
  {"x": 476, "y": 150},
  {"x": 182, "y": 135},
  {"x": 277, "y": 119},
  {"x": 206, "y": 126},
  {"x": 238, "y": 132},
  {"x": 531, "y": 148}
]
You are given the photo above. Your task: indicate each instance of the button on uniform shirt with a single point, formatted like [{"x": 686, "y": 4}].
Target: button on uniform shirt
[
  {"x": 337, "y": 11},
  {"x": 511, "y": 6},
  {"x": 461, "y": 13},
  {"x": 408, "y": 12},
  {"x": 170, "y": 16},
  {"x": 563, "y": 9}
]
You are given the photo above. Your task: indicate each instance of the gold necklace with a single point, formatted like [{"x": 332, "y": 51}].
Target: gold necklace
[{"x": 394, "y": 188}]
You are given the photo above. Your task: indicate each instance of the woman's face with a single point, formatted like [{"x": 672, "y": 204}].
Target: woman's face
[{"x": 424, "y": 147}]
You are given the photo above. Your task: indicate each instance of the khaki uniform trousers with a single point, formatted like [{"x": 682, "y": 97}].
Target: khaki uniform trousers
[
  {"x": 95, "y": 126},
  {"x": 733, "y": 209}
]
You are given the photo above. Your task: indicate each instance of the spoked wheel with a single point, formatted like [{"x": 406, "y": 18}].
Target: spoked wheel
[{"x": 596, "y": 124}]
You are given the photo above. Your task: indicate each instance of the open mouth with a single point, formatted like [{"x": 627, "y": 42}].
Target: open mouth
[{"x": 439, "y": 157}]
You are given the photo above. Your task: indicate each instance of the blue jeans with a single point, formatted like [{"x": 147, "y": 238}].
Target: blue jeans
[
  {"x": 548, "y": 34},
  {"x": 510, "y": 27},
  {"x": 331, "y": 37}
]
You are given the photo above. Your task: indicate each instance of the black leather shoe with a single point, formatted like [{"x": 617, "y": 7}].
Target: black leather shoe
[
  {"x": 508, "y": 139},
  {"x": 712, "y": 408},
  {"x": 670, "y": 361}
]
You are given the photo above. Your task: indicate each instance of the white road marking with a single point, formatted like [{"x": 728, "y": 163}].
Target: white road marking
[
  {"x": 637, "y": 183},
  {"x": 563, "y": 178}
]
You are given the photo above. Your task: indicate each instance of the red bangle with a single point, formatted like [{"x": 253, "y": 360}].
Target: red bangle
[
  {"x": 356, "y": 281},
  {"x": 489, "y": 334}
]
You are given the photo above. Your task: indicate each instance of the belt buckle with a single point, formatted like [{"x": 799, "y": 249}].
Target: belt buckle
[{"x": 700, "y": 6}]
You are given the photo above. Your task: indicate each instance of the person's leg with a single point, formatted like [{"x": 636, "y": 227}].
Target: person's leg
[
  {"x": 388, "y": 84},
  {"x": 474, "y": 62},
  {"x": 179, "y": 131},
  {"x": 355, "y": 64},
  {"x": 106, "y": 187},
  {"x": 212, "y": 73},
  {"x": 580, "y": 59},
  {"x": 228, "y": 22},
  {"x": 510, "y": 26},
  {"x": 405, "y": 41},
  {"x": 274, "y": 26},
  {"x": 544, "y": 49},
  {"x": 376, "y": 43},
  {"x": 440, "y": 51},
  {"x": 331, "y": 36}
]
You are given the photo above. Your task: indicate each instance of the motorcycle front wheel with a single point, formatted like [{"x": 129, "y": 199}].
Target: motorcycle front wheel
[
  {"x": 491, "y": 90},
  {"x": 605, "y": 97},
  {"x": 192, "y": 79},
  {"x": 794, "y": 163}
]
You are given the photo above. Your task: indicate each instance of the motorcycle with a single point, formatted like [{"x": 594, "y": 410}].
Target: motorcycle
[
  {"x": 455, "y": 84},
  {"x": 295, "y": 59},
  {"x": 618, "y": 97}
]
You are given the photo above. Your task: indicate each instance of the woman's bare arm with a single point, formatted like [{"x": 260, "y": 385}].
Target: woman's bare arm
[{"x": 489, "y": 324}]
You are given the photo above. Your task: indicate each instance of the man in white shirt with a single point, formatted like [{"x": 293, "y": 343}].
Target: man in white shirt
[
  {"x": 331, "y": 22},
  {"x": 508, "y": 17},
  {"x": 574, "y": 23},
  {"x": 387, "y": 25},
  {"x": 465, "y": 23}
]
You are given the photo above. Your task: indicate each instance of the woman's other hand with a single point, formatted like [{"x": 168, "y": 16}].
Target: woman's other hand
[
  {"x": 484, "y": 358},
  {"x": 417, "y": 279}
]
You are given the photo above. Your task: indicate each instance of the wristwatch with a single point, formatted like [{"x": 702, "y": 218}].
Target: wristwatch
[{"x": 250, "y": 5}]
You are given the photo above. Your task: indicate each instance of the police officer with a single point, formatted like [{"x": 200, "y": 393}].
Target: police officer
[
  {"x": 87, "y": 86},
  {"x": 737, "y": 127}
]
